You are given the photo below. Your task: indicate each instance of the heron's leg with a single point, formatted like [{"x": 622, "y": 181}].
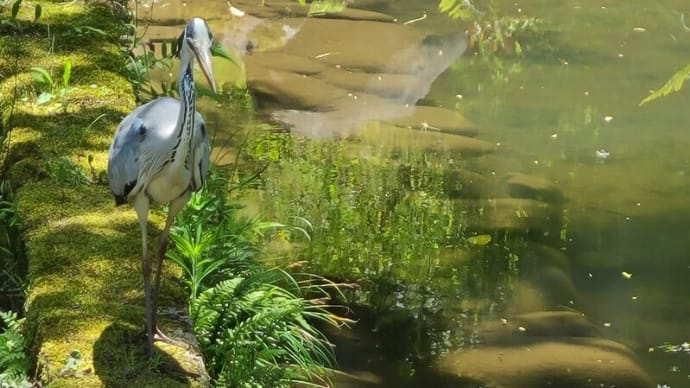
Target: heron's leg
[
  {"x": 141, "y": 205},
  {"x": 173, "y": 208}
]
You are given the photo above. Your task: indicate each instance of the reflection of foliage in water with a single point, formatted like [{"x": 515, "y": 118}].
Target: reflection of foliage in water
[
  {"x": 499, "y": 40},
  {"x": 389, "y": 223}
]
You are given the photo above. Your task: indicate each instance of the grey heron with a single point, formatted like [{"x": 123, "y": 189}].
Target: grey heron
[{"x": 160, "y": 154}]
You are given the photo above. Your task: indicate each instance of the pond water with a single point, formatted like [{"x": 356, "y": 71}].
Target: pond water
[{"x": 437, "y": 239}]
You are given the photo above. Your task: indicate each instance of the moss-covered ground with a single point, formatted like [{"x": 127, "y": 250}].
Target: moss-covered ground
[{"x": 85, "y": 286}]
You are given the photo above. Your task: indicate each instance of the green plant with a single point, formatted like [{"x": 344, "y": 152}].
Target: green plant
[
  {"x": 458, "y": 9},
  {"x": 499, "y": 40},
  {"x": 401, "y": 222},
  {"x": 88, "y": 30},
  {"x": 11, "y": 22},
  {"x": 72, "y": 365},
  {"x": 65, "y": 172},
  {"x": 323, "y": 7},
  {"x": 139, "y": 66},
  {"x": 256, "y": 333},
  {"x": 14, "y": 362},
  {"x": 45, "y": 81},
  {"x": 12, "y": 259},
  {"x": 488, "y": 31},
  {"x": 255, "y": 326},
  {"x": 674, "y": 84}
]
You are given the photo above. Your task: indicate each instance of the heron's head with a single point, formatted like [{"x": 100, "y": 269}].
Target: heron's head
[{"x": 195, "y": 42}]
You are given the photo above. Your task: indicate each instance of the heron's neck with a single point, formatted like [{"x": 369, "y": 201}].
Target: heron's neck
[{"x": 185, "y": 122}]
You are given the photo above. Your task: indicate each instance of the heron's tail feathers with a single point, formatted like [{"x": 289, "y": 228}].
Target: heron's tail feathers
[{"x": 120, "y": 200}]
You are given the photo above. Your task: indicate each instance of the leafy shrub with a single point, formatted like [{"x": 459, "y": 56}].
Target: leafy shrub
[
  {"x": 12, "y": 261},
  {"x": 14, "y": 362},
  {"x": 255, "y": 326}
]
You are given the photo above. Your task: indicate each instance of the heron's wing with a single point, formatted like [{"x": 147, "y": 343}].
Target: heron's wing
[
  {"x": 140, "y": 146},
  {"x": 200, "y": 153},
  {"x": 123, "y": 157}
]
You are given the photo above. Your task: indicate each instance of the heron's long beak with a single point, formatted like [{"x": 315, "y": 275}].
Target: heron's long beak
[{"x": 204, "y": 57}]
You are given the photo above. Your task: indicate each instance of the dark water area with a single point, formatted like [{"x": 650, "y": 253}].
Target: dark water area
[{"x": 569, "y": 236}]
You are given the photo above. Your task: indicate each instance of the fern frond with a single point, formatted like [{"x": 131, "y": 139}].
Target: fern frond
[
  {"x": 674, "y": 84},
  {"x": 14, "y": 362}
]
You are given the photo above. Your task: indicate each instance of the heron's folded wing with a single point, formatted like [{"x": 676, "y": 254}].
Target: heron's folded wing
[{"x": 123, "y": 157}]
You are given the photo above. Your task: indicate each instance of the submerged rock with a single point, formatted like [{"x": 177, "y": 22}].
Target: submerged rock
[
  {"x": 287, "y": 8},
  {"x": 555, "y": 286},
  {"x": 287, "y": 90},
  {"x": 538, "y": 324},
  {"x": 576, "y": 362},
  {"x": 528, "y": 186},
  {"x": 545, "y": 282},
  {"x": 390, "y": 47},
  {"x": 546, "y": 349},
  {"x": 324, "y": 82},
  {"x": 356, "y": 14},
  {"x": 437, "y": 119},
  {"x": 388, "y": 85},
  {"x": 405, "y": 138},
  {"x": 276, "y": 60}
]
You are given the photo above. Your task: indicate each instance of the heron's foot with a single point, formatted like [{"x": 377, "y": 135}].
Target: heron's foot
[{"x": 159, "y": 336}]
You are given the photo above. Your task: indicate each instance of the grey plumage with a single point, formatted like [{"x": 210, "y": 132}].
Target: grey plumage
[{"x": 143, "y": 145}]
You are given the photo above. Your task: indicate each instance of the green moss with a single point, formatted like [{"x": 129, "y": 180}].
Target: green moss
[{"x": 84, "y": 254}]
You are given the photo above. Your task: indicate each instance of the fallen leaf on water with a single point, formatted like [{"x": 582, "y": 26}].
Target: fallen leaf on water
[{"x": 480, "y": 240}]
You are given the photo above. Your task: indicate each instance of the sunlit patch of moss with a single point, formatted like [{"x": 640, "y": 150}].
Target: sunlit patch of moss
[{"x": 84, "y": 254}]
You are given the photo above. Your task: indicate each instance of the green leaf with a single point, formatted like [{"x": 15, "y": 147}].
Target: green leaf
[
  {"x": 44, "y": 98},
  {"x": 518, "y": 48},
  {"x": 88, "y": 29},
  {"x": 674, "y": 84},
  {"x": 324, "y": 7},
  {"x": 203, "y": 91},
  {"x": 15, "y": 8},
  {"x": 219, "y": 51},
  {"x": 64, "y": 91},
  {"x": 66, "y": 73},
  {"x": 41, "y": 76},
  {"x": 456, "y": 9},
  {"x": 37, "y": 12},
  {"x": 481, "y": 240}
]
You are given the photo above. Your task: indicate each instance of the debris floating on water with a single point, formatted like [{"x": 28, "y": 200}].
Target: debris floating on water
[{"x": 602, "y": 154}]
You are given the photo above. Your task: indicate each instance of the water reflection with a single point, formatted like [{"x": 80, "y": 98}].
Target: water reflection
[{"x": 568, "y": 234}]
